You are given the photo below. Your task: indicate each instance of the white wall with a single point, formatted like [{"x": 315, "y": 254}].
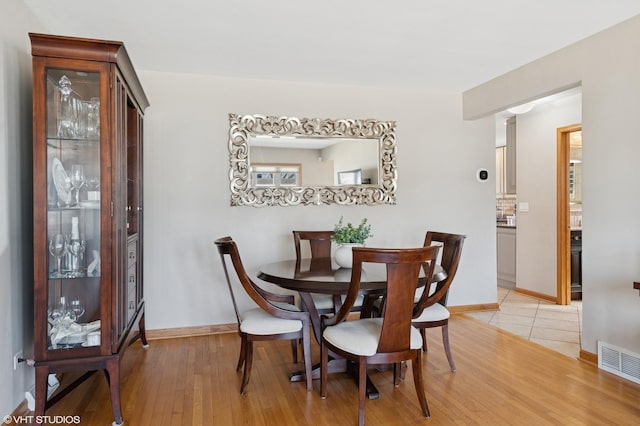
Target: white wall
[
  {"x": 608, "y": 67},
  {"x": 16, "y": 228},
  {"x": 187, "y": 187},
  {"x": 536, "y": 153}
]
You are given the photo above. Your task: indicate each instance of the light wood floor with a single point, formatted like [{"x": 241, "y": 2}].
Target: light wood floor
[{"x": 501, "y": 379}]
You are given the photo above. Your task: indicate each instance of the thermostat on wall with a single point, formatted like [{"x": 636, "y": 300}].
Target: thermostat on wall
[{"x": 482, "y": 175}]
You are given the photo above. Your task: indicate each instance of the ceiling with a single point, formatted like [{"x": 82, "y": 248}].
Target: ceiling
[{"x": 433, "y": 45}]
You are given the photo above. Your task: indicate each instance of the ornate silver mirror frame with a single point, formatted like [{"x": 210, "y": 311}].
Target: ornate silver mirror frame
[{"x": 242, "y": 128}]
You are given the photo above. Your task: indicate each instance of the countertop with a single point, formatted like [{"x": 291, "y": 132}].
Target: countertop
[{"x": 504, "y": 225}]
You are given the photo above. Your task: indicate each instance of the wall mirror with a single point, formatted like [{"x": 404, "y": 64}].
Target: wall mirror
[{"x": 287, "y": 161}]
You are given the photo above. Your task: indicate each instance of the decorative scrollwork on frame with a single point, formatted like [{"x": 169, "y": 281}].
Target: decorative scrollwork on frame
[{"x": 243, "y": 127}]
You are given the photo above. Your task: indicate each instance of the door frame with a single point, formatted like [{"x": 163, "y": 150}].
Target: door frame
[{"x": 563, "y": 214}]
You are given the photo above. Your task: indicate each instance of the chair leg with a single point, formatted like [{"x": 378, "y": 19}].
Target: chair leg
[
  {"x": 324, "y": 366},
  {"x": 447, "y": 349},
  {"x": 416, "y": 363},
  {"x": 362, "y": 389},
  {"x": 403, "y": 370},
  {"x": 243, "y": 349},
  {"x": 397, "y": 370},
  {"x": 424, "y": 339},
  {"x": 306, "y": 354},
  {"x": 247, "y": 366},
  {"x": 294, "y": 350}
]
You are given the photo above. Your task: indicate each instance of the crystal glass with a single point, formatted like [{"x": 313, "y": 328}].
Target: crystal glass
[
  {"x": 81, "y": 113},
  {"x": 57, "y": 250},
  {"x": 92, "y": 183},
  {"x": 66, "y": 109},
  {"x": 93, "y": 118},
  {"x": 77, "y": 180},
  {"x": 76, "y": 250},
  {"x": 58, "y": 319},
  {"x": 76, "y": 310}
]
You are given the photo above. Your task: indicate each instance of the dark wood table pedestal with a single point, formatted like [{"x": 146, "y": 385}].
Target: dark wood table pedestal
[{"x": 337, "y": 365}]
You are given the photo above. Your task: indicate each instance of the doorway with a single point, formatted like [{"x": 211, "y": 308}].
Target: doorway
[{"x": 569, "y": 213}]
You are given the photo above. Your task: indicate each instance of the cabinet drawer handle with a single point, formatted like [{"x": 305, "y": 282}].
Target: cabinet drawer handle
[{"x": 132, "y": 278}]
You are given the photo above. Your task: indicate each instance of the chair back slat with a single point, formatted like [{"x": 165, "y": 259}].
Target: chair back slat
[
  {"x": 319, "y": 243},
  {"x": 450, "y": 259},
  {"x": 401, "y": 286}
]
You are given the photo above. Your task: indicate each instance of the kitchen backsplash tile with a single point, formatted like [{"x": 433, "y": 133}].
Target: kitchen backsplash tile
[{"x": 505, "y": 204}]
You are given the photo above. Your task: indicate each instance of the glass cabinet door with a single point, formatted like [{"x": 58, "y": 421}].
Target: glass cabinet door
[{"x": 73, "y": 208}]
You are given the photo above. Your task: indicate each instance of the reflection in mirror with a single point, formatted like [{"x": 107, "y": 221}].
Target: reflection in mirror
[
  {"x": 290, "y": 161},
  {"x": 324, "y": 160}
]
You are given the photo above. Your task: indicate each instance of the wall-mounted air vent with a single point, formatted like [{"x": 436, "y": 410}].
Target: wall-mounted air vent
[{"x": 619, "y": 361}]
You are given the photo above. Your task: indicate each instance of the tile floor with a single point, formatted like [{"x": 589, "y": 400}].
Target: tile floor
[{"x": 557, "y": 327}]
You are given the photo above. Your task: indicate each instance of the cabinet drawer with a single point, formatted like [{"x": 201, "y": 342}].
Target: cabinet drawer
[
  {"x": 131, "y": 279},
  {"x": 131, "y": 305},
  {"x": 132, "y": 250}
]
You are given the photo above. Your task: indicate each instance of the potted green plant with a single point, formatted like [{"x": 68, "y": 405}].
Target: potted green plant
[{"x": 349, "y": 236}]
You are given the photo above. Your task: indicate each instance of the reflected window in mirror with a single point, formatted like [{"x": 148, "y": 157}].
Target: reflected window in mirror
[{"x": 263, "y": 174}]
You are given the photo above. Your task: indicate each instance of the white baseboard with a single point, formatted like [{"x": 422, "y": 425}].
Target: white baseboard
[{"x": 52, "y": 386}]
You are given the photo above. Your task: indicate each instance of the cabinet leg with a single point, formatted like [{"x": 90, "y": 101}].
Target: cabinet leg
[
  {"x": 42, "y": 383},
  {"x": 113, "y": 379},
  {"x": 143, "y": 334}
]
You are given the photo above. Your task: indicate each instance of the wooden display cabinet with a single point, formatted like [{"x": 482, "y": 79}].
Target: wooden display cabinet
[{"x": 88, "y": 108}]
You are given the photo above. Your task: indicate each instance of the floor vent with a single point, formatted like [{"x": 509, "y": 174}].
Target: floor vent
[{"x": 619, "y": 361}]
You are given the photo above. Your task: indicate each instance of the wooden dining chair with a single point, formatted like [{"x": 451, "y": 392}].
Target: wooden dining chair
[
  {"x": 320, "y": 250},
  {"x": 431, "y": 306},
  {"x": 389, "y": 339},
  {"x": 275, "y": 318}
]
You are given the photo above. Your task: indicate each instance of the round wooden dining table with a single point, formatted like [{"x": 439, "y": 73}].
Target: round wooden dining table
[{"x": 324, "y": 276}]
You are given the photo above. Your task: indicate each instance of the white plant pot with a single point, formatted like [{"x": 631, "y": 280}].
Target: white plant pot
[{"x": 344, "y": 256}]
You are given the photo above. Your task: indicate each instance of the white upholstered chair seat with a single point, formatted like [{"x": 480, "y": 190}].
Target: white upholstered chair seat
[
  {"x": 360, "y": 337},
  {"x": 325, "y": 301},
  {"x": 435, "y": 312},
  {"x": 257, "y": 321},
  {"x": 322, "y": 301}
]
